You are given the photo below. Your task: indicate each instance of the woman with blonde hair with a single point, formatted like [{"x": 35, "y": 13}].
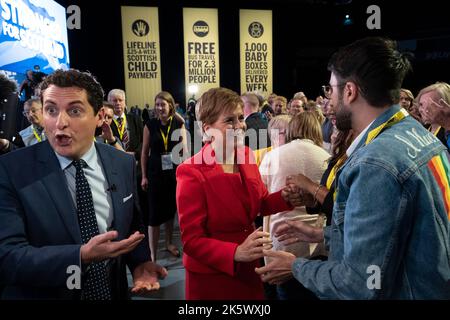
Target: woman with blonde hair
[
  {"x": 434, "y": 104},
  {"x": 302, "y": 154},
  {"x": 410, "y": 104},
  {"x": 279, "y": 105},
  {"x": 406, "y": 99},
  {"x": 277, "y": 128},
  {"x": 305, "y": 127}
]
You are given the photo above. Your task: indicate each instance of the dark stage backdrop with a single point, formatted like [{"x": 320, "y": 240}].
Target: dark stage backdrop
[{"x": 305, "y": 34}]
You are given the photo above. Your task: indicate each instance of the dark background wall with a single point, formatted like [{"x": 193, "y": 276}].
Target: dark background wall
[{"x": 305, "y": 34}]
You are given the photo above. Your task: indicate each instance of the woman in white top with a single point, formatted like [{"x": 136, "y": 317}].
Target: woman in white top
[{"x": 302, "y": 154}]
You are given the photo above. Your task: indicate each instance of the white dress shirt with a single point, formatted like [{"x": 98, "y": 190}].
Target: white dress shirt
[
  {"x": 96, "y": 178},
  {"x": 355, "y": 142}
]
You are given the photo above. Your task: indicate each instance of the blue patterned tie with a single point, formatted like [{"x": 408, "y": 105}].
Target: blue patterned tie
[{"x": 96, "y": 284}]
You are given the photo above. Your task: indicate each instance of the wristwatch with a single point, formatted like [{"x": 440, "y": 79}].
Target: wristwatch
[{"x": 113, "y": 142}]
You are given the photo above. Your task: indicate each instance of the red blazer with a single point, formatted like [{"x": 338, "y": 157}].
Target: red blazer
[{"x": 216, "y": 213}]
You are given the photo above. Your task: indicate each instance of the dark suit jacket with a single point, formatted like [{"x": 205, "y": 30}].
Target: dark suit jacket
[
  {"x": 39, "y": 231},
  {"x": 256, "y": 122},
  {"x": 136, "y": 129}
]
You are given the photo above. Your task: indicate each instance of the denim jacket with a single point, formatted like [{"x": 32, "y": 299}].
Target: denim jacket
[{"x": 390, "y": 234}]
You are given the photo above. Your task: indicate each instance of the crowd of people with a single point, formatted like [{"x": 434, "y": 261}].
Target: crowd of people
[{"x": 346, "y": 196}]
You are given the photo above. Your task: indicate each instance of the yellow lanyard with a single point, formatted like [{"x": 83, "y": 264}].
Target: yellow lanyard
[
  {"x": 396, "y": 118},
  {"x": 166, "y": 136},
  {"x": 38, "y": 137},
  {"x": 436, "y": 132},
  {"x": 121, "y": 128},
  {"x": 333, "y": 171}
]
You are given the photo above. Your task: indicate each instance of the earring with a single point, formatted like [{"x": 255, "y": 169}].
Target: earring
[{"x": 205, "y": 137}]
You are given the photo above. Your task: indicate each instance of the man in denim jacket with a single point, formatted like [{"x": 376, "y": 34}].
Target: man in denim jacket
[{"x": 390, "y": 231}]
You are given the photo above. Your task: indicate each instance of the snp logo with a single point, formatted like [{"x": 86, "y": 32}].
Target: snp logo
[
  {"x": 374, "y": 280},
  {"x": 74, "y": 279}
]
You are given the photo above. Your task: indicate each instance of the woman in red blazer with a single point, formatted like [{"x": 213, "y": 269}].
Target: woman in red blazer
[{"x": 219, "y": 194}]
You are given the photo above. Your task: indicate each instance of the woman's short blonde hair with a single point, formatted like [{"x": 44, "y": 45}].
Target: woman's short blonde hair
[
  {"x": 216, "y": 101},
  {"x": 166, "y": 96},
  {"x": 283, "y": 101},
  {"x": 442, "y": 88},
  {"x": 279, "y": 122},
  {"x": 318, "y": 114},
  {"x": 305, "y": 125}
]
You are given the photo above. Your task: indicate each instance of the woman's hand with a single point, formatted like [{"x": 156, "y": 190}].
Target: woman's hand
[
  {"x": 252, "y": 248},
  {"x": 290, "y": 194},
  {"x": 297, "y": 197},
  {"x": 144, "y": 183},
  {"x": 301, "y": 182}
]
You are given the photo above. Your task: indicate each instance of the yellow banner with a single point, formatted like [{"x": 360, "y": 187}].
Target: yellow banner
[
  {"x": 256, "y": 51},
  {"x": 201, "y": 51},
  {"x": 141, "y": 57}
]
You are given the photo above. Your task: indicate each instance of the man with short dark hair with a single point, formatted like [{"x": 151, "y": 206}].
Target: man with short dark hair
[
  {"x": 66, "y": 204},
  {"x": 390, "y": 231}
]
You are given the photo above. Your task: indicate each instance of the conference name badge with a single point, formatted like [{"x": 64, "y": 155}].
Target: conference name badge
[{"x": 166, "y": 161}]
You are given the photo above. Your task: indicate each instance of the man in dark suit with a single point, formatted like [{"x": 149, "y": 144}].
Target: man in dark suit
[
  {"x": 66, "y": 205},
  {"x": 256, "y": 136},
  {"x": 130, "y": 129},
  {"x": 126, "y": 125}
]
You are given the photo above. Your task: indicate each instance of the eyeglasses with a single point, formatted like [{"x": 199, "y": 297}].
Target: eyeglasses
[
  {"x": 25, "y": 113},
  {"x": 328, "y": 89}
]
